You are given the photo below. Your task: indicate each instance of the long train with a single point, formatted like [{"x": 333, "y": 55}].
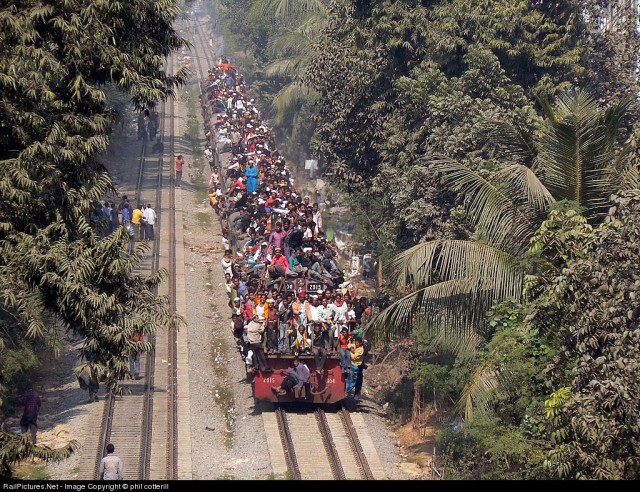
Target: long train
[{"x": 228, "y": 110}]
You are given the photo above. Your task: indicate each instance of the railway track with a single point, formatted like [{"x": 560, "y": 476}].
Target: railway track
[
  {"x": 322, "y": 445},
  {"x": 129, "y": 419},
  {"x": 172, "y": 410},
  {"x": 315, "y": 445}
]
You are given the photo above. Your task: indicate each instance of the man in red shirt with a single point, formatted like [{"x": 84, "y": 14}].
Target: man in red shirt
[
  {"x": 179, "y": 164},
  {"x": 279, "y": 266}
]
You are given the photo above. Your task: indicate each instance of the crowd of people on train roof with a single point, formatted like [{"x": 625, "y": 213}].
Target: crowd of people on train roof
[{"x": 279, "y": 238}]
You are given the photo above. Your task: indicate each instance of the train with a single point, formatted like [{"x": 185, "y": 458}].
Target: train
[
  {"x": 327, "y": 387},
  {"x": 254, "y": 195}
]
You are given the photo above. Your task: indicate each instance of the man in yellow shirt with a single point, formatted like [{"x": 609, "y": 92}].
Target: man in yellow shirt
[
  {"x": 357, "y": 360},
  {"x": 135, "y": 220}
]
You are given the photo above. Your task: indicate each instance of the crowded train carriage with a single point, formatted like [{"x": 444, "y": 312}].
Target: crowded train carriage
[{"x": 297, "y": 323}]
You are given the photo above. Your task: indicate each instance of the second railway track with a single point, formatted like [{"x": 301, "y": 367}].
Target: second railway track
[{"x": 130, "y": 421}]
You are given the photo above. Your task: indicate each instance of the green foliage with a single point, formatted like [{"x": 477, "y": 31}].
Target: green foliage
[
  {"x": 559, "y": 239},
  {"x": 18, "y": 447},
  {"x": 370, "y": 47},
  {"x": 553, "y": 408},
  {"x": 490, "y": 449},
  {"x": 434, "y": 377},
  {"x": 505, "y": 437},
  {"x": 448, "y": 286},
  {"x": 399, "y": 80},
  {"x": 578, "y": 153},
  {"x": 612, "y": 46},
  {"x": 59, "y": 60},
  {"x": 398, "y": 397},
  {"x": 578, "y": 334},
  {"x": 593, "y": 304},
  {"x": 233, "y": 13},
  {"x": 17, "y": 361}
]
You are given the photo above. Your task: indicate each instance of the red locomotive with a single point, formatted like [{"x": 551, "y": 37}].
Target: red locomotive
[{"x": 329, "y": 386}]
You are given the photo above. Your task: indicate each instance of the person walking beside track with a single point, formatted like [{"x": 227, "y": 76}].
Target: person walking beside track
[
  {"x": 135, "y": 221},
  {"x": 29, "y": 421},
  {"x": 149, "y": 218},
  {"x": 179, "y": 165},
  {"x": 111, "y": 465}
]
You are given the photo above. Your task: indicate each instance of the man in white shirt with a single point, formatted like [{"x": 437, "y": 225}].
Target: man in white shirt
[
  {"x": 323, "y": 313},
  {"x": 312, "y": 312},
  {"x": 111, "y": 465},
  {"x": 149, "y": 218},
  {"x": 338, "y": 309}
]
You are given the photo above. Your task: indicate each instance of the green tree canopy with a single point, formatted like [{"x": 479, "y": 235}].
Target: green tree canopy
[
  {"x": 590, "y": 308},
  {"x": 58, "y": 59}
]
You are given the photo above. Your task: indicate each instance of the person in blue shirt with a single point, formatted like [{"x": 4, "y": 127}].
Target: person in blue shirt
[{"x": 252, "y": 177}]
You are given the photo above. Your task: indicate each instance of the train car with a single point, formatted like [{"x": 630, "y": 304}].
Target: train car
[{"x": 326, "y": 387}]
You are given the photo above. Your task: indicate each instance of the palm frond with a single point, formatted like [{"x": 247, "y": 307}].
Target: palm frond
[
  {"x": 630, "y": 179},
  {"x": 463, "y": 347},
  {"x": 18, "y": 447},
  {"x": 290, "y": 97},
  {"x": 287, "y": 10},
  {"x": 490, "y": 209},
  {"x": 313, "y": 25},
  {"x": 286, "y": 67},
  {"x": 622, "y": 174},
  {"x": 443, "y": 259},
  {"x": 515, "y": 141},
  {"x": 577, "y": 150},
  {"x": 478, "y": 392},
  {"x": 456, "y": 305},
  {"x": 527, "y": 189},
  {"x": 613, "y": 118},
  {"x": 293, "y": 43}
]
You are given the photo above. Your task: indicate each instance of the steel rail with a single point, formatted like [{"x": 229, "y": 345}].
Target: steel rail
[
  {"x": 356, "y": 447},
  {"x": 287, "y": 444},
  {"x": 329, "y": 445}
]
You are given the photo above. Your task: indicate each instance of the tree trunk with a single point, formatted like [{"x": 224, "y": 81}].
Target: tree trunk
[{"x": 416, "y": 410}]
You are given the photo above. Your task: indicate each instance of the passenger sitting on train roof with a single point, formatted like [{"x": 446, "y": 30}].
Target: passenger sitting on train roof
[
  {"x": 279, "y": 266},
  {"x": 296, "y": 377},
  {"x": 302, "y": 342},
  {"x": 319, "y": 343}
]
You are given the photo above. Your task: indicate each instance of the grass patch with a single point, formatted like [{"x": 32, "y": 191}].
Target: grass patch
[
  {"x": 204, "y": 219},
  {"x": 31, "y": 471},
  {"x": 223, "y": 395},
  {"x": 227, "y": 476},
  {"x": 195, "y": 143},
  {"x": 280, "y": 476}
]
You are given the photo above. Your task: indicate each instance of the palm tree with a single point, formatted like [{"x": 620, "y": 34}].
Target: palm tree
[
  {"x": 293, "y": 49},
  {"x": 447, "y": 286}
]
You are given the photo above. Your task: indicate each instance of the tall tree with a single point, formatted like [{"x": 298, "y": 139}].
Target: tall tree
[
  {"x": 58, "y": 56},
  {"x": 370, "y": 45},
  {"x": 590, "y": 307},
  {"x": 448, "y": 286}
]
